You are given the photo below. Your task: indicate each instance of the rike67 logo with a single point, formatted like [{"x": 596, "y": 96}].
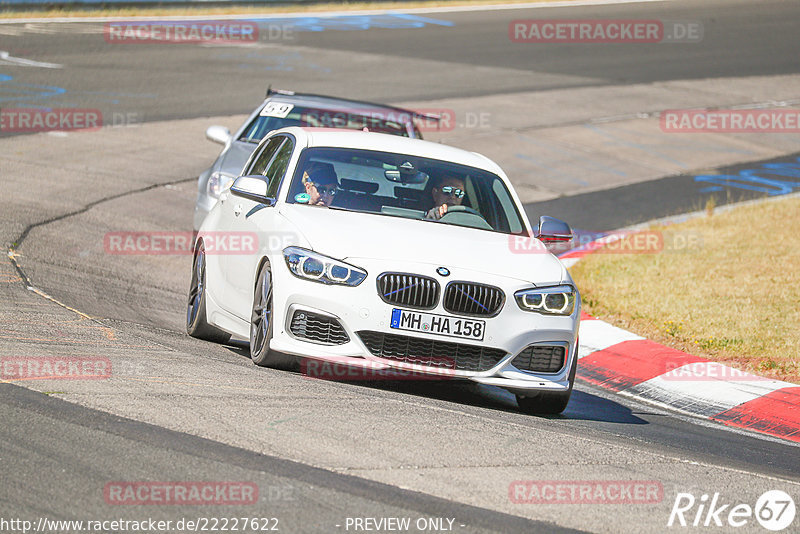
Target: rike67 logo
[{"x": 774, "y": 510}]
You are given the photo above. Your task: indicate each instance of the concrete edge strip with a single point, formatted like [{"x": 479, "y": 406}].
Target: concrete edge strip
[{"x": 623, "y": 362}]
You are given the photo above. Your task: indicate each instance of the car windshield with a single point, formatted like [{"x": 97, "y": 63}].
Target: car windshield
[
  {"x": 276, "y": 115},
  {"x": 406, "y": 186}
]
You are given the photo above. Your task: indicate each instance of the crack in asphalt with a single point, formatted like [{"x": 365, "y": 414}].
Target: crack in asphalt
[{"x": 17, "y": 243}]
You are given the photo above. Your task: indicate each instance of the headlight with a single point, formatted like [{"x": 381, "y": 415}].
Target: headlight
[
  {"x": 217, "y": 183},
  {"x": 557, "y": 300},
  {"x": 318, "y": 268}
]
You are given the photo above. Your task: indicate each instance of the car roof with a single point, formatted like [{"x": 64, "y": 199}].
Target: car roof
[
  {"x": 334, "y": 103},
  {"x": 343, "y": 138}
]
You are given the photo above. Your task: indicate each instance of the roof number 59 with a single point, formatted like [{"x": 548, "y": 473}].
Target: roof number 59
[{"x": 276, "y": 109}]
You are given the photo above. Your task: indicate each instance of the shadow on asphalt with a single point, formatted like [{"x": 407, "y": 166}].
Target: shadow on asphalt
[
  {"x": 587, "y": 407},
  {"x": 582, "y": 406}
]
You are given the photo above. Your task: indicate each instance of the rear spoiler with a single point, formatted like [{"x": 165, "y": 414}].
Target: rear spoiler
[{"x": 416, "y": 114}]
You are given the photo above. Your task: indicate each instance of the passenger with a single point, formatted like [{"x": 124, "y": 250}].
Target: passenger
[
  {"x": 447, "y": 191},
  {"x": 321, "y": 183}
]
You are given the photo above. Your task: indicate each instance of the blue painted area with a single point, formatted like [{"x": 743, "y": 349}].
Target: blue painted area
[
  {"x": 11, "y": 91},
  {"x": 396, "y": 313},
  {"x": 388, "y": 21},
  {"x": 36, "y": 96},
  {"x": 759, "y": 180}
]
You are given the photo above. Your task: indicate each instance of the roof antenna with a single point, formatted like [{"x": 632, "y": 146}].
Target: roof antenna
[{"x": 269, "y": 89}]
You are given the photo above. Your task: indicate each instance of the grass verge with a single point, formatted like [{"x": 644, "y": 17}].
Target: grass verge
[
  {"x": 300, "y": 7},
  {"x": 725, "y": 286}
]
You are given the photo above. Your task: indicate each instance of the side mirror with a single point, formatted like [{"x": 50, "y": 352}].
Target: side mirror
[
  {"x": 553, "y": 231},
  {"x": 218, "y": 134},
  {"x": 252, "y": 188}
]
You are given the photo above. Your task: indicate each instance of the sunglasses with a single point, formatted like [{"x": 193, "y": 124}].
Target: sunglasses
[
  {"x": 452, "y": 191},
  {"x": 323, "y": 190}
]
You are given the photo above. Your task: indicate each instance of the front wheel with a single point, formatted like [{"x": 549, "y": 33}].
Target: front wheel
[
  {"x": 261, "y": 324},
  {"x": 547, "y": 403},
  {"x": 196, "y": 325}
]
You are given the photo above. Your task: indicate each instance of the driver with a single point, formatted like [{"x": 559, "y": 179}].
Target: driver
[
  {"x": 320, "y": 183},
  {"x": 447, "y": 191}
]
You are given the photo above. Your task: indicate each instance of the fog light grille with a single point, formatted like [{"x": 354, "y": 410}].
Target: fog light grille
[
  {"x": 541, "y": 359},
  {"x": 318, "y": 328}
]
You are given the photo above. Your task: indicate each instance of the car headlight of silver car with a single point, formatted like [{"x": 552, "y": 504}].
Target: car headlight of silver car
[
  {"x": 315, "y": 267},
  {"x": 555, "y": 300},
  {"x": 217, "y": 183}
]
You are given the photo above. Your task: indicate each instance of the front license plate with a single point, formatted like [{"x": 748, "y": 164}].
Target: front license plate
[{"x": 437, "y": 324}]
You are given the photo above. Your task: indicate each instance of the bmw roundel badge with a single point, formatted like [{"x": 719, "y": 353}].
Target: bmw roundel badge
[{"x": 443, "y": 271}]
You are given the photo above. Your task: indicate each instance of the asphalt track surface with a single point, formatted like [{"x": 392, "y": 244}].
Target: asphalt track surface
[
  {"x": 348, "y": 450},
  {"x": 187, "y": 81}
]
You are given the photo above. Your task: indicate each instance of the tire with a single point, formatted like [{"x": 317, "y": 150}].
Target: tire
[
  {"x": 261, "y": 325},
  {"x": 549, "y": 403},
  {"x": 196, "y": 325}
]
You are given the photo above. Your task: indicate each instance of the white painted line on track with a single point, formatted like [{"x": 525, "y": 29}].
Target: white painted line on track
[
  {"x": 413, "y": 11},
  {"x": 7, "y": 59}
]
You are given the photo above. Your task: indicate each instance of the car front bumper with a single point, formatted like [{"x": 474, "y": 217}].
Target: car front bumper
[{"x": 361, "y": 309}]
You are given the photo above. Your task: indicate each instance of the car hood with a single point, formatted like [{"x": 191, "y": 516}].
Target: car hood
[
  {"x": 348, "y": 235},
  {"x": 236, "y": 157}
]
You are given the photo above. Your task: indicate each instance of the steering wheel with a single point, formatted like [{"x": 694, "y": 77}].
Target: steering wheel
[{"x": 460, "y": 209}]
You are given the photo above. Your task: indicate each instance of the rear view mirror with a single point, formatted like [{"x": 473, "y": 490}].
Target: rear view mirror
[
  {"x": 252, "y": 188},
  {"x": 392, "y": 176},
  {"x": 402, "y": 177},
  {"x": 218, "y": 134},
  {"x": 553, "y": 231}
]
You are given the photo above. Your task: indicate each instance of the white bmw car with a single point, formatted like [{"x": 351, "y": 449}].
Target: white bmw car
[{"x": 378, "y": 251}]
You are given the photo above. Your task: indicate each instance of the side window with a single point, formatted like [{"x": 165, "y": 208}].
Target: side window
[
  {"x": 263, "y": 159},
  {"x": 278, "y": 166}
]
